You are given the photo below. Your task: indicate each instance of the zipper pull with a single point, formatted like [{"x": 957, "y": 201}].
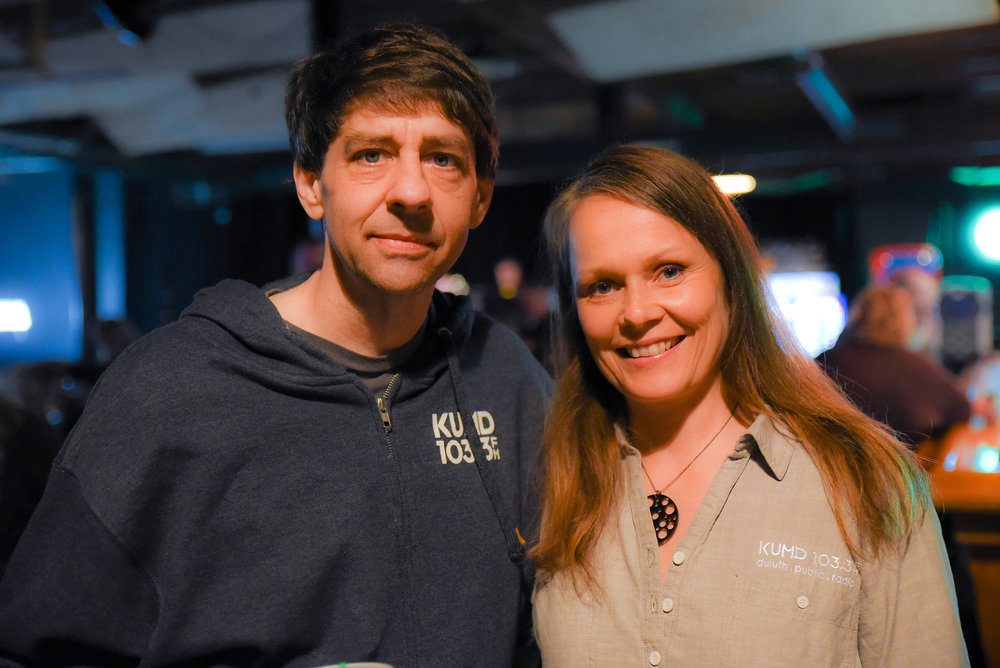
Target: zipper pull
[
  {"x": 383, "y": 408},
  {"x": 384, "y": 412}
]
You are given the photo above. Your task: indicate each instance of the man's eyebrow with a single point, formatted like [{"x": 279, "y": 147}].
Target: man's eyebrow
[
  {"x": 453, "y": 143},
  {"x": 352, "y": 139}
]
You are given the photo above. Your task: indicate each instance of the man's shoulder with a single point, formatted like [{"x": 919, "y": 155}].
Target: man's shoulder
[
  {"x": 167, "y": 371},
  {"x": 227, "y": 314},
  {"x": 162, "y": 353}
]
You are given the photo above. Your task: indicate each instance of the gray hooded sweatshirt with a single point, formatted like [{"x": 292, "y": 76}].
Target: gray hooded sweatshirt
[{"x": 232, "y": 496}]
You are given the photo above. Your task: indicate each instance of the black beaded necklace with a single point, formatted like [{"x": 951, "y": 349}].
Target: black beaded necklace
[{"x": 662, "y": 508}]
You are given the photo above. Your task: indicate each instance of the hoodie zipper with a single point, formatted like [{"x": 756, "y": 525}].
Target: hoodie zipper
[{"x": 383, "y": 406}]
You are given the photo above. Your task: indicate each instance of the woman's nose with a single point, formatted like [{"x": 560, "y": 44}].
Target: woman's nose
[{"x": 639, "y": 308}]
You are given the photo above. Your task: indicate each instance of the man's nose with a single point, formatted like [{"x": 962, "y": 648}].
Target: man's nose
[{"x": 410, "y": 191}]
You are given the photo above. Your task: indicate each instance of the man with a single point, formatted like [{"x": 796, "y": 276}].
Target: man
[{"x": 333, "y": 468}]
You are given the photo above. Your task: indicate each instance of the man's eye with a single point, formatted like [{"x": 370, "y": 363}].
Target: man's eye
[
  {"x": 444, "y": 160},
  {"x": 670, "y": 271},
  {"x": 371, "y": 156}
]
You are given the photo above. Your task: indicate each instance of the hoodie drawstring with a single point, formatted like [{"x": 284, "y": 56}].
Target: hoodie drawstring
[{"x": 512, "y": 536}]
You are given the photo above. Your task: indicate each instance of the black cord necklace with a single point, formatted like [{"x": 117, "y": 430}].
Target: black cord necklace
[{"x": 662, "y": 508}]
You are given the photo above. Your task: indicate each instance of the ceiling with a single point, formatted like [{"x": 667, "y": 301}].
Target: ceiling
[{"x": 801, "y": 93}]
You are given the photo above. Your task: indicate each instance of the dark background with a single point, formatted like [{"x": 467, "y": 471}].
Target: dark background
[{"x": 200, "y": 75}]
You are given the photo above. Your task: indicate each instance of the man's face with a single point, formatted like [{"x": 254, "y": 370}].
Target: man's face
[{"x": 399, "y": 195}]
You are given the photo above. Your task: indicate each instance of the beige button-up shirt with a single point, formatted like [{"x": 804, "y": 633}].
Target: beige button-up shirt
[{"x": 761, "y": 578}]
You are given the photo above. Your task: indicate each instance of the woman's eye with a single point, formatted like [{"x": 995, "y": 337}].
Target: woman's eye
[{"x": 600, "y": 288}]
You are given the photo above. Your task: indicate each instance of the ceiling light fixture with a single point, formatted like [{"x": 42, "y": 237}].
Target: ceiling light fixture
[{"x": 735, "y": 184}]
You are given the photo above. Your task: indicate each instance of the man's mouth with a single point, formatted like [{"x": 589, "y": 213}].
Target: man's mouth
[
  {"x": 650, "y": 350},
  {"x": 404, "y": 243}
]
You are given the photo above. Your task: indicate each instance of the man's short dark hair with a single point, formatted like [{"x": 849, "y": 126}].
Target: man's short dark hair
[{"x": 395, "y": 68}]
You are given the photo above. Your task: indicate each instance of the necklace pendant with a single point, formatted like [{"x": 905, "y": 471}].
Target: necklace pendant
[{"x": 663, "y": 510}]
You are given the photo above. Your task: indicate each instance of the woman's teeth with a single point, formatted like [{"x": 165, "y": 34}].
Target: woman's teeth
[{"x": 650, "y": 350}]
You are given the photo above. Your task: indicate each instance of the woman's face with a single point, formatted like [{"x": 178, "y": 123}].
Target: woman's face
[{"x": 650, "y": 300}]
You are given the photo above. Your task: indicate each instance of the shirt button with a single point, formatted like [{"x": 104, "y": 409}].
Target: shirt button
[
  {"x": 654, "y": 658},
  {"x": 668, "y": 604},
  {"x": 678, "y": 557},
  {"x": 802, "y": 601}
]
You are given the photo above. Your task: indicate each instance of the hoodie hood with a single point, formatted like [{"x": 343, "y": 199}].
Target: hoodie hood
[{"x": 242, "y": 312}]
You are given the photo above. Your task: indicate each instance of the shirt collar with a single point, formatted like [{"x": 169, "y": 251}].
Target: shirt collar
[{"x": 774, "y": 442}]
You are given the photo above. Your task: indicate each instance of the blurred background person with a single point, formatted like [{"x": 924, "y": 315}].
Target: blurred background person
[
  {"x": 536, "y": 316},
  {"x": 502, "y": 299},
  {"x": 876, "y": 363},
  {"x": 520, "y": 304},
  {"x": 924, "y": 291}
]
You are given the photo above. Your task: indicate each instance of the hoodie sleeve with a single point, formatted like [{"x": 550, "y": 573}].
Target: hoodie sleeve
[{"x": 71, "y": 595}]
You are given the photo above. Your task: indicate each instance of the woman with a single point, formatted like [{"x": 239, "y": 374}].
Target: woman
[
  {"x": 710, "y": 497},
  {"x": 874, "y": 362}
]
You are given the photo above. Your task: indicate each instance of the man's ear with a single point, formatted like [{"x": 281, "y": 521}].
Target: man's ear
[
  {"x": 484, "y": 193},
  {"x": 309, "y": 190}
]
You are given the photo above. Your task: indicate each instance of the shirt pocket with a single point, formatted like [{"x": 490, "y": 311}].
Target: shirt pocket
[{"x": 780, "y": 618}]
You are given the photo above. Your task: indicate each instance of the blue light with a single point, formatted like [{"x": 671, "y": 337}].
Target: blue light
[
  {"x": 222, "y": 216},
  {"x": 109, "y": 244},
  {"x": 986, "y": 233},
  {"x": 202, "y": 191},
  {"x": 829, "y": 94},
  {"x": 54, "y": 417},
  {"x": 950, "y": 461},
  {"x": 824, "y": 95},
  {"x": 813, "y": 306},
  {"x": 30, "y": 164},
  {"x": 38, "y": 274},
  {"x": 986, "y": 459},
  {"x": 125, "y": 36},
  {"x": 15, "y": 316}
]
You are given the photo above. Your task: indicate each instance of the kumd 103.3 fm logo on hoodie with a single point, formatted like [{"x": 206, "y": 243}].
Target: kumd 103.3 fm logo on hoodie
[{"x": 455, "y": 446}]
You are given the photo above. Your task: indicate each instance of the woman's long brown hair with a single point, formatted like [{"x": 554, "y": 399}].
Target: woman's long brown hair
[{"x": 875, "y": 485}]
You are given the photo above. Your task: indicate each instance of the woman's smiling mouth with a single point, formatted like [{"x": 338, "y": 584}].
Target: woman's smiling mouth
[{"x": 650, "y": 350}]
